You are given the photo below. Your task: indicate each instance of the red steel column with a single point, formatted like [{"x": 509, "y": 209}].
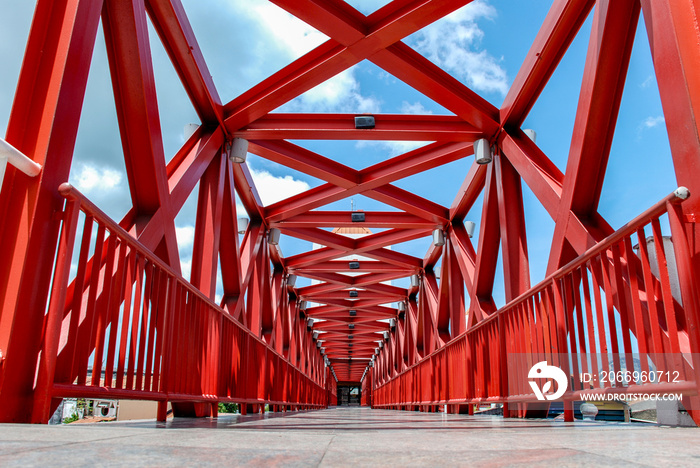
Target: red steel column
[
  {"x": 43, "y": 125},
  {"x": 673, "y": 27}
]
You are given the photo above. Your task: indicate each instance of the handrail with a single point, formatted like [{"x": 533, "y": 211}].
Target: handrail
[
  {"x": 71, "y": 193},
  {"x": 18, "y": 159},
  {"x": 677, "y": 196}
]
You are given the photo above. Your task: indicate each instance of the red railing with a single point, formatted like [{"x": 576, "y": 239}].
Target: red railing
[
  {"x": 125, "y": 325},
  {"x": 366, "y": 394},
  {"x": 593, "y": 316}
]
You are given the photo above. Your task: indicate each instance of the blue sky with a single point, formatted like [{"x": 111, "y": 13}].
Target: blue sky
[{"x": 482, "y": 45}]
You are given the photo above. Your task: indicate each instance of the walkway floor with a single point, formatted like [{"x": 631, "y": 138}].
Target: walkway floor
[{"x": 349, "y": 437}]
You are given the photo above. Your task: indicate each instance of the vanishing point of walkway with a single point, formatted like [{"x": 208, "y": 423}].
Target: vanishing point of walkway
[{"x": 349, "y": 437}]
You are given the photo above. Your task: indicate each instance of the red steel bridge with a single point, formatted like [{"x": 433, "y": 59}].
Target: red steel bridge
[{"x": 96, "y": 307}]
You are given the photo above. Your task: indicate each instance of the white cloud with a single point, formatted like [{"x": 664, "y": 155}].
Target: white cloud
[
  {"x": 88, "y": 177},
  {"x": 341, "y": 93},
  {"x": 293, "y": 36},
  {"x": 453, "y": 44},
  {"x": 241, "y": 211},
  {"x": 291, "y": 39},
  {"x": 186, "y": 267},
  {"x": 185, "y": 236},
  {"x": 648, "y": 82},
  {"x": 651, "y": 122},
  {"x": 416, "y": 108},
  {"x": 273, "y": 189},
  {"x": 393, "y": 148}
]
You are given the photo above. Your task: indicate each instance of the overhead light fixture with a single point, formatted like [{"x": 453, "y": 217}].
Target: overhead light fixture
[
  {"x": 371, "y": 363},
  {"x": 350, "y": 337},
  {"x": 376, "y": 351},
  {"x": 438, "y": 238},
  {"x": 482, "y": 151},
  {"x": 531, "y": 134},
  {"x": 353, "y": 313},
  {"x": 302, "y": 305},
  {"x": 381, "y": 344},
  {"x": 357, "y": 217},
  {"x": 363, "y": 122},
  {"x": 291, "y": 280},
  {"x": 354, "y": 293},
  {"x": 392, "y": 324},
  {"x": 350, "y": 345},
  {"x": 415, "y": 281},
  {"x": 310, "y": 323},
  {"x": 354, "y": 265},
  {"x": 242, "y": 225},
  {"x": 386, "y": 336},
  {"x": 318, "y": 344},
  {"x": 402, "y": 307},
  {"x": 315, "y": 336},
  {"x": 351, "y": 326},
  {"x": 470, "y": 227},
  {"x": 238, "y": 150},
  {"x": 273, "y": 237}
]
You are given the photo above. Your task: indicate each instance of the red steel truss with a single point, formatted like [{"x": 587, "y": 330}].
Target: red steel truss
[{"x": 126, "y": 324}]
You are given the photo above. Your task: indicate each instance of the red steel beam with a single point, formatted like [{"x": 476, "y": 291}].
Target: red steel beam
[
  {"x": 373, "y": 219},
  {"x": 430, "y": 80},
  {"x": 388, "y": 127},
  {"x": 470, "y": 190},
  {"x": 364, "y": 266},
  {"x": 373, "y": 177},
  {"x": 301, "y": 159},
  {"x": 43, "y": 124},
  {"x": 560, "y": 27},
  {"x": 609, "y": 50},
  {"x": 172, "y": 25},
  {"x": 331, "y": 58},
  {"x": 133, "y": 81},
  {"x": 511, "y": 215},
  {"x": 402, "y": 61}
]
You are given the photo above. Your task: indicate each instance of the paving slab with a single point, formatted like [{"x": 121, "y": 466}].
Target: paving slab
[{"x": 349, "y": 437}]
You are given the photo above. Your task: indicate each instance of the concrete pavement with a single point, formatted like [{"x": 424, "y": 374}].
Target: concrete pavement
[{"x": 349, "y": 437}]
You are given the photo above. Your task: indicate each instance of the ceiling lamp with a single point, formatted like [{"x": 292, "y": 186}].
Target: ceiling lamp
[
  {"x": 482, "y": 151},
  {"x": 238, "y": 150},
  {"x": 273, "y": 237},
  {"x": 438, "y": 238},
  {"x": 242, "y": 225},
  {"x": 470, "y": 227}
]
